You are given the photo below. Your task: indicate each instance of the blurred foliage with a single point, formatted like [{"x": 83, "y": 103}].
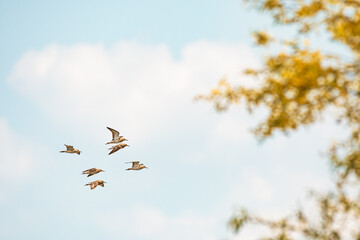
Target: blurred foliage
[{"x": 297, "y": 84}]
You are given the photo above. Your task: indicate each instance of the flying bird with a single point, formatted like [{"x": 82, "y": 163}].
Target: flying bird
[
  {"x": 136, "y": 165},
  {"x": 92, "y": 171},
  {"x": 116, "y": 138},
  {"x": 94, "y": 184},
  {"x": 71, "y": 149},
  {"x": 118, "y": 147}
]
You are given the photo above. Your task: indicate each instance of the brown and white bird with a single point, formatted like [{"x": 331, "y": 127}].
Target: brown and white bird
[
  {"x": 136, "y": 165},
  {"x": 118, "y": 147},
  {"x": 92, "y": 171},
  {"x": 94, "y": 184},
  {"x": 71, "y": 149},
  {"x": 116, "y": 138}
]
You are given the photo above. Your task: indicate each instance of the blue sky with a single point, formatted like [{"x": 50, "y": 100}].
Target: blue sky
[{"x": 70, "y": 69}]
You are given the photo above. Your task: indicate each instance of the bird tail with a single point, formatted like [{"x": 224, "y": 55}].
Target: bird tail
[{"x": 62, "y": 151}]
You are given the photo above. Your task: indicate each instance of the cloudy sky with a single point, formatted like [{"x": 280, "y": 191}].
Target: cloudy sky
[{"x": 69, "y": 69}]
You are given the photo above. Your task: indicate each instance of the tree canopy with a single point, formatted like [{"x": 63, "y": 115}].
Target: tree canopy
[{"x": 297, "y": 84}]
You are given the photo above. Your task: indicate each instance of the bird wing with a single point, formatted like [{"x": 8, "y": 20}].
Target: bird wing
[
  {"x": 115, "y": 134},
  {"x": 134, "y": 163},
  {"x": 89, "y": 170},
  {"x": 93, "y": 185},
  {"x": 114, "y": 149},
  {"x": 69, "y": 147}
]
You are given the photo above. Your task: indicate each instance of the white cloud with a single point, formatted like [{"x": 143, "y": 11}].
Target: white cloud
[
  {"x": 250, "y": 186},
  {"x": 140, "y": 88},
  {"x": 16, "y": 155},
  {"x": 231, "y": 128},
  {"x": 145, "y": 222},
  {"x": 17, "y": 160},
  {"x": 261, "y": 189}
]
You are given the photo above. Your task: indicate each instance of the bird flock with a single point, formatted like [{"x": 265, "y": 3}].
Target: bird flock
[{"x": 116, "y": 139}]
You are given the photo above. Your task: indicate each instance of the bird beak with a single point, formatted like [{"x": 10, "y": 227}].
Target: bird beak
[{"x": 102, "y": 170}]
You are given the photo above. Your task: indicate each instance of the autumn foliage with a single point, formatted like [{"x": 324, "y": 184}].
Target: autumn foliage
[{"x": 297, "y": 84}]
